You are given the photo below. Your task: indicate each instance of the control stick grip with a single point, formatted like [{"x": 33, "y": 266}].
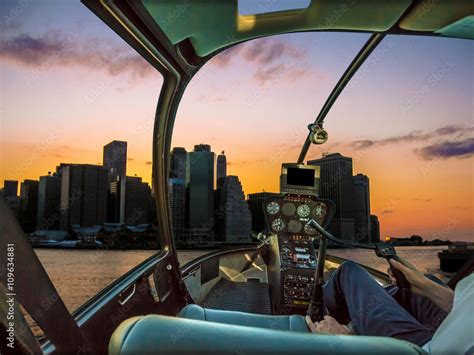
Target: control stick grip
[{"x": 402, "y": 281}]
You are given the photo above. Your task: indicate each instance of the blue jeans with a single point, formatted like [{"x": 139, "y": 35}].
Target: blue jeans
[{"x": 352, "y": 294}]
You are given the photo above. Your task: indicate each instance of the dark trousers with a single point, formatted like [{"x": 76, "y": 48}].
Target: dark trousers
[{"x": 352, "y": 294}]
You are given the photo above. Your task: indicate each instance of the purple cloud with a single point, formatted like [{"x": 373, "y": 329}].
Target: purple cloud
[
  {"x": 64, "y": 50},
  {"x": 414, "y": 136},
  {"x": 445, "y": 150}
]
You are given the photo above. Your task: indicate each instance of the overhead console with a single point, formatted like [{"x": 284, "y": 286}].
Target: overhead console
[{"x": 293, "y": 252}]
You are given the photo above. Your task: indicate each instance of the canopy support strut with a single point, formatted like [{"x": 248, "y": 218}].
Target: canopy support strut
[{"x": 359, "y": 59}]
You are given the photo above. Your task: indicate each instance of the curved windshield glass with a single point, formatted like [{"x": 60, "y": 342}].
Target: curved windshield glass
[
  {"x": 78, "y": 107},
  {"x": 400, "y": 136}
]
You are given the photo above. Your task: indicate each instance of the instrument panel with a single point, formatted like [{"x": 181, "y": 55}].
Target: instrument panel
[
  {"x": 289, "y": 214},
  {"x": 286, "y": 216}
]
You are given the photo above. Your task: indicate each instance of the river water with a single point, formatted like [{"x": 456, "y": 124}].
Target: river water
[{"x": 80, "y": 274}]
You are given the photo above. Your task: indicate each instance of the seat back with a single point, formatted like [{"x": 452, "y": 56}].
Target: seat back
[{"x": 172, "y": 335}]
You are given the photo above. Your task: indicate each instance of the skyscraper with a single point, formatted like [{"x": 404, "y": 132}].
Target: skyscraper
[
  {"x": 233, "y": 218},
  {"x": 131, "y": 199},
  {"x": 337, "y": 185},
  {"x": 221, "y": 169},
  {"x": 115, "y": 159},
  {"x": 255, "y": 202},
  {"x": 10, "y": 192},
  {"x": 49, "y": 197},
  {"x": 201, "y": 188},
  {"x": 28, "y": 205},
  {"x": 361, "y": 208},
  {"x": 177, "y": 190},
  {"x": 10, "y": 188},
  {"x": 374, "y": 229},
  {"x": 178, "y": 159},
  {"x": 83, "y": 196}
]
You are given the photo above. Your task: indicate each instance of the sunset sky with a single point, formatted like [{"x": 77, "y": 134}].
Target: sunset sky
[{"x": 69, "y": 85}]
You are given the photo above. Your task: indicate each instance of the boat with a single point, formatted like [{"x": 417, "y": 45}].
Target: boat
[
  {"x": 244, "y": 299},
  {"x": 457, "y": 255}
]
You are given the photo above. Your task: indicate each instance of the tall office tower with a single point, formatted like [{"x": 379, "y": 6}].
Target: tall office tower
[
  {"x": 361, "y": 208},
  {"x": 10, "y": 188},
  {"x": 178, "y": 159},
  {"x": 83, "y": 196},
  {"x": 10, "y": 192},
  {"x": 49, "y": 197},
  {"x": 221, "y": 169},
  {"x": 255, "y": 202},
  {"x": 233, "y": 218},
  {"x": 115, "y": 159},
  {"x": 336, "y": 185},
  {"x": 201, "y": 188},
  {"x": 28, "y": 205},
  {"x": 374, "y": 229},
  {"x": 131, "y": 198},
  {"x": 177, "y": 190}
]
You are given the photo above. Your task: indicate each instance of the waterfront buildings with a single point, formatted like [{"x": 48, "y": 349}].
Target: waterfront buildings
[
  {"x": 178, "y": 161},
  {"x": 221, "y": 168},
  {"x": 83, "y": 196},
  {"x": 28, "y": 205},
  {"x": 177, "y": 191},
  {"x": 374, "y": 229},
  {"x": 115, "y": 159},
  {"x": 10, "y": 188},
  {"x": 49, "y": 197},
  {"x": 201, "y": 188},
  {"x": 129, "y": 201},
  {"x": 337, "y": 185},
  {"x": 361, "y": 208},
  {"x": 233, "y": 218},
  {"x": 10, "y": 193}
]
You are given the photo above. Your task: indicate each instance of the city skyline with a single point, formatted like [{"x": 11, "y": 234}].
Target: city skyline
[{"x": 413, "y": 137}]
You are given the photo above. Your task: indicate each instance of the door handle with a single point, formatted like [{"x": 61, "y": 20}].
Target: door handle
[{"x": 122, "y": 302}]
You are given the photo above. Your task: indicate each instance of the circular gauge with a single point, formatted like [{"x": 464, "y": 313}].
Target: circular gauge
[
  {"x": 278, "y": 225},
  {"x": 309, "y": 230},
  {"x": 273, "y": 207},
  {"x": 294, "y": 226},
  {"x": 303, "y": 211},
  {"x": 319, "y": 211},
  {"x": 288, "y": 209}
]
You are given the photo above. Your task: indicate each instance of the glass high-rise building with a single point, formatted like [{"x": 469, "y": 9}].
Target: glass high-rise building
[
  {"x": 28, "y": 205},
  {"x": 49, "y": 196},
  {"x": 131, "y": 200},
  {"x": 361, "y": 208},
  {"x": 177, "y": 190},
  {"x": 115, "y": 159},
  {"x": 221, "y": 168},
  {"x": 233, "y": 217},
  {"x": 10, "y": 188},
  {"x": 201, "y": 188},
  {"x": 83, "y": 196},
  {"x": 178, "y": 159},
  {"x": 374, "y": 229},
  {"x": 336, "y": 184}
]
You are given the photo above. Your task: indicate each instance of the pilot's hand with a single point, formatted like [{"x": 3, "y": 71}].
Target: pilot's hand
[
  {"x": 327, "y": 326},
  {"x": 416, "y": 279}
]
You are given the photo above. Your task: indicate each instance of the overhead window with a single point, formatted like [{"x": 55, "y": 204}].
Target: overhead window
[{"x": 256, "y": 7}]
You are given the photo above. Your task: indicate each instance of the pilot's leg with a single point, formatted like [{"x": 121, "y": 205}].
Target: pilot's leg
[
  {"x": 352, "y": 294},
  {"x": 423, "y": 309}
]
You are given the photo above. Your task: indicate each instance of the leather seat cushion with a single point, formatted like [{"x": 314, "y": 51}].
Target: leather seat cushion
[
  {"x": 156, "y": 334},
  {"x": 293, "y": 323}
]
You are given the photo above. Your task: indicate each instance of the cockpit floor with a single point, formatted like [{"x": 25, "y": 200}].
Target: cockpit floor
[{"x": 251, "y": 297}]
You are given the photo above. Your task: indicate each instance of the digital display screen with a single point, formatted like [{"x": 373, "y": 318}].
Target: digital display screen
[{"x": 300, "y": 177}]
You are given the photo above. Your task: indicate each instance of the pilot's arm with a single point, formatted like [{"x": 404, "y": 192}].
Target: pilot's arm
[{"x": 441, "y": 295}]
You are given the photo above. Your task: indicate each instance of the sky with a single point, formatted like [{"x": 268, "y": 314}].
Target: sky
[{"x": 70, "y": 85}]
